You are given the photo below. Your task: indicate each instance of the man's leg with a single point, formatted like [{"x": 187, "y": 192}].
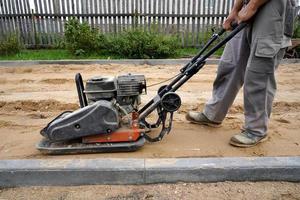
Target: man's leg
[
  {"x": 230, "y": 77},
  {"x": 259, "y": 92},
  {"x": 273, "y": 88},
  {"x": 260, "y": 84}
]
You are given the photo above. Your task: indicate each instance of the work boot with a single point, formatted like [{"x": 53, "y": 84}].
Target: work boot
[
  {"x": 200, "y": 118},
  {"x": 245, "y": 139}
]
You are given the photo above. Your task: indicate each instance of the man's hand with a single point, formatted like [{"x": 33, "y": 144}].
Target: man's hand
[{"x": 232, "y": 17}]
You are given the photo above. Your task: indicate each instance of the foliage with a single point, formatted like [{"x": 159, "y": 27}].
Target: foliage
[
  {"x": 297, "y": 28},
  {"x": 59, "y": 43},
  {"x": 81, "y": 38},
  {"x": 136, "y": 43},
  {"x": 296, "y": 33},
  {"x": 10, "y": 44}
]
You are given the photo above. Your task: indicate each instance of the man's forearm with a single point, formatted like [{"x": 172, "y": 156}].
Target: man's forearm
[
  {"x": 255, "y": 4},
  {"x": 250, "y": 9},
  {"x": 237, "y": 6}
]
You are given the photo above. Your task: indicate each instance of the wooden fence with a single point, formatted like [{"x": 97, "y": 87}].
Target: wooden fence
[{"x": 41, "y": 23}]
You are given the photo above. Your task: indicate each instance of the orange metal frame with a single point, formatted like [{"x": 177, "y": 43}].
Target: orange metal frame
[{"x": 121, "y": 135}]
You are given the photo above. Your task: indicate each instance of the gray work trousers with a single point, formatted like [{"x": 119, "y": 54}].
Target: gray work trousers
[{"x": 251, "y": 58}]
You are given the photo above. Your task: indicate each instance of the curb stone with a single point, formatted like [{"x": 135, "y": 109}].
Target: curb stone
[
  {"x": 24, "y": 63},
  {"x": 146, "y": 171}
]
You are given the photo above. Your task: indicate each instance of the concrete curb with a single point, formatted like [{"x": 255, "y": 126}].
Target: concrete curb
[
  {"x": 146, "y": 171},
  {"x": 24, "y": 63}
]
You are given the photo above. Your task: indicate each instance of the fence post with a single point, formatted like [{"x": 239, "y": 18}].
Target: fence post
[
  {"x": 136, "y": 18},
  {"x": 114, "y": 6},
  {"x": 2, "y": 20},
  {"x": 34, "y": 38}
]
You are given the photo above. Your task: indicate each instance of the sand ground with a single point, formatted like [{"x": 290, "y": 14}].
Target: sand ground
[
  {"x": 31, "y": 96},
  {"x": 207, "y": 191}
]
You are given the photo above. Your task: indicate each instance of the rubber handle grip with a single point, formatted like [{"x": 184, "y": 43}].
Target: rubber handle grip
[
  {"x": 221, "y": 32},
  {"x": 234, "y": 25}
]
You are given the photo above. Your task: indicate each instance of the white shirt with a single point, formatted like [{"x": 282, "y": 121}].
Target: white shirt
[{"x": 286, "y": 42}]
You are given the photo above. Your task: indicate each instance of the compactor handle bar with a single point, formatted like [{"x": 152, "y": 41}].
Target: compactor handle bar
[{"x": 190, "y": 69}]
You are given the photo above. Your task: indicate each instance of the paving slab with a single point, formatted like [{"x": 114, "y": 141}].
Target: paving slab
[{"x": 71, "y": 172}]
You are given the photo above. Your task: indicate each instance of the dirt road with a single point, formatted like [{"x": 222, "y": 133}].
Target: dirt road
[{"x": 31, "y": 96}]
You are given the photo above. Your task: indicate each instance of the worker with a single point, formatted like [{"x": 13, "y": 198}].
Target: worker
[{"x": 250, "y": 58}]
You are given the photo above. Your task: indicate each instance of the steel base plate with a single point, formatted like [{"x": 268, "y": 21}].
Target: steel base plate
[{"x": 76, "y": 147}]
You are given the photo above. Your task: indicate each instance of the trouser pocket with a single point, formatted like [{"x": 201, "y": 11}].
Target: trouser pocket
[{"x": 263, "y": 59}]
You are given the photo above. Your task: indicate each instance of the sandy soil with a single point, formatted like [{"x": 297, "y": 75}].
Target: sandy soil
[
  {"x": 31, "y": 96},
  {"x": 226, "y": 190}
]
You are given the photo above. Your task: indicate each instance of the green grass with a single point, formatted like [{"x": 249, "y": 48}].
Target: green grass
[
  {"x": 61, "y": 54},
  {"x": 52, "y": 54},
  {"x": 190, "y": 52}
]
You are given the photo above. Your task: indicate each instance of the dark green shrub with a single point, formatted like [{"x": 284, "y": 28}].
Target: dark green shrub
[
  {"x": 60, "y": 42},
  {"x": 297, "y": 28},
  {"x": 81, "y": 38},
  {"x": 297, "y": 33},
  {"x": 10, "y": 45},
  {"x": 139, "y": 44}
]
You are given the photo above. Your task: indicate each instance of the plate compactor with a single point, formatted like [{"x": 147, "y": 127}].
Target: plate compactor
[{"x": 110, "y": 120}]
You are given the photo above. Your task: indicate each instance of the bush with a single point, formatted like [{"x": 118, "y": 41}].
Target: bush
[
  {"x": 60, "y": 42},
  {"x": 10, "y": 45},
  {"x": 81, "y": 38},
  {"x": 296, "y": 33},
  {"x": 140, "y": 44}
]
